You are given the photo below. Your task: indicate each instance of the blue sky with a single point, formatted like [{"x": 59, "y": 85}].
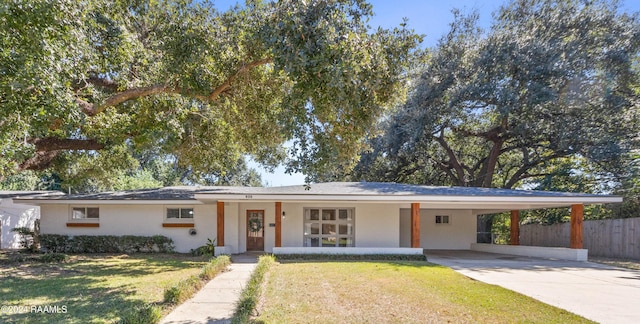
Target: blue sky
[{"x": 428, "y": 17}]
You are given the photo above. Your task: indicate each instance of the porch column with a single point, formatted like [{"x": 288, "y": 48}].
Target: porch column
[
  {"x": 415, "y": 225},
  {"x": 576, "y": 226},
  {"x": 278, "y": 224},
  {"x": 515, "y": 228},
  {"x": 220, "y": 226}
]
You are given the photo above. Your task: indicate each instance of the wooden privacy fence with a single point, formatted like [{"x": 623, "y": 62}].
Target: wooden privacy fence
[{"x": 614, "y": 238}]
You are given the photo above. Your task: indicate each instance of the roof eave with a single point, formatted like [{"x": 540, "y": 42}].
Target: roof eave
[{"x": 409, "y": 198}]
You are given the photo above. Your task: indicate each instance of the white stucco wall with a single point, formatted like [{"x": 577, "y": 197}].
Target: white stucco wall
[
  {"x": 142, "y": 220},
  {"x": 12, "y": 216},
  {"x": 376, "y": 225},
  {"x": 231, "y": 227},
  {"x": 459, "y": 234}
]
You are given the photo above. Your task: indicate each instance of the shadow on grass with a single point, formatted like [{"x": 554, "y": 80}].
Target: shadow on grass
[
  {"x": 82, "y": 301},
  {"x": 82, "y": 286}
]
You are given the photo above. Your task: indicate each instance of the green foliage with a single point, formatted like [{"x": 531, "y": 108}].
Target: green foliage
[
  {"x": 105, "y": 244},
  {"x": 501, "y": 228},
  {"x": 184, "y": 289},
  {"x": 147, "y": 313},
  {"x": 88, "y": 86},
  {"x": 53, "y": 257},
  {"x": 207, "y": 249},
  {"x": 494, "y": 108},
  {"x": 251, "y": 293}
]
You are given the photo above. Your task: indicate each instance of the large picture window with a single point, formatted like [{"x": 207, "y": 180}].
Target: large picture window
[{"x": 329, "y": 227}]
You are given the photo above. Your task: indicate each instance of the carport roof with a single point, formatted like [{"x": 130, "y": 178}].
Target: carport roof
[
  {"x": 30, "y": 193},
  {"x": 481, "y": 200}
]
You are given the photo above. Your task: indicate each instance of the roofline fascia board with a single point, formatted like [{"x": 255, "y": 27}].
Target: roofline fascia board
[
  {"x": 107, "y": 202},
  {"x": 410, "y": 198}
]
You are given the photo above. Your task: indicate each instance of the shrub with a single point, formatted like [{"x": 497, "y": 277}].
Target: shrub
[
  {"x": 105, "y": 244},
  {"x": 250, "y": 294},
  {"x": 186, "y": 288},
  {"x": 143, "y": 314},
  {"x": 207, "y": 249},
  {"x": 53, "y": 257},
  {"x": 213, "y": 268}
]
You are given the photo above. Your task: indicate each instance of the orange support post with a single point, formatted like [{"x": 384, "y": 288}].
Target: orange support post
[
  {"x": 415, "y": 225},
  {"x": 278, "y": 242},
  {"x": 220, "y": 226},
  {"x": 577, "y": 216},
  {"x": 515, "y": 228}
]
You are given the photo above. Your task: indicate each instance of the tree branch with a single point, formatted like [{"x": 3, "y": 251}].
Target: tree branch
[
  {"x": 446, "y": 169},
  {"x": 126, "y": 95},
  {"x": 47, "y": 149},
  {"x": 103, "y": 83},
  {"x": 227, "y": 84},
  {"x": 40, "y": 161},
  {"x": 521, "y": 173},
  {"x": 134, "y": 93},
  {"x": 51, "y": 144},
  {"x": 453, "y": 159}
]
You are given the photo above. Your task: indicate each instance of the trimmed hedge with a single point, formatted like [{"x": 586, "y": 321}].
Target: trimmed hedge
[
  {"x": 186, "y": 288},
  {"x": 251, "y": 293},
  {"x": 105, "y": 244},
  {"x": 352, "y": 257}
]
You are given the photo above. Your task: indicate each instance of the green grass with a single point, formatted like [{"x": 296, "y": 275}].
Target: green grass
[
  {"x": 393, "y": 292},
  {"x": 251, "y": 293},
  {"x": 94, "y": 288}
]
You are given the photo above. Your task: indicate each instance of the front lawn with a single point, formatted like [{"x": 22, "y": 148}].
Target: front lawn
[
  {"x": 393, "y": 292},
  {"x": 93, "y": 288}
]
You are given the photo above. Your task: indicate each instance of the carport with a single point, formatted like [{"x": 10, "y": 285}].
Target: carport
[{"x": 598, "y": 292}]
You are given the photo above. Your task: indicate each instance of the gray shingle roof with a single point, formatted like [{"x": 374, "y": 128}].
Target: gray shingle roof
[
  {"x": 399, "y": 189},
  {"x": 25, "y": 193},
  {"x": 330, "y": 188}
]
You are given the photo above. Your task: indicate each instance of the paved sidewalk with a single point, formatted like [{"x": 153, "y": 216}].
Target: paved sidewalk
[
  {"x": 216, "y": 301},
  {"x": 598, "y": 292}
]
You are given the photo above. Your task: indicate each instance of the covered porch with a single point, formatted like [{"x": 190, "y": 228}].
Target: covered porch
[{"x": 377, "y": 218}]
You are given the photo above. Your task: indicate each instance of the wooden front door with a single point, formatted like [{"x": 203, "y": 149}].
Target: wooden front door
[{"x": 255, "y": 230}]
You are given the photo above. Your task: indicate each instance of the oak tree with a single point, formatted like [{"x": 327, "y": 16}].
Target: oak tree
[
  {"x": 550, "y": 79},
  {"x": 99, "y": 79}
]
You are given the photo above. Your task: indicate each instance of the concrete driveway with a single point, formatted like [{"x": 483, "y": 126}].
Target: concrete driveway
[{"x": 598, "y": 292}]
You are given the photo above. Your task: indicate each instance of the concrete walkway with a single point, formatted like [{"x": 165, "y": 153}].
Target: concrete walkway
[
  {"x": 216, "y": 301},
  {"x": 598, "y": 292}
]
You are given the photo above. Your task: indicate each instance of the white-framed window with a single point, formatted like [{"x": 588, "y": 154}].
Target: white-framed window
[
  {"x": 329, "y": 227},
  {"x": 179, "y": 214},
  {"x": 442, "y": 219},
  {"x": 84, "y": 213}
]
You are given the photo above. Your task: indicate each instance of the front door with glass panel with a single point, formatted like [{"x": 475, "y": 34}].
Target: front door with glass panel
[{"x": 255, "y": 230}]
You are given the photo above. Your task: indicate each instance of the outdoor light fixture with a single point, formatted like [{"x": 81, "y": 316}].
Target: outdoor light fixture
[{"x": 284, "y": 215}]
